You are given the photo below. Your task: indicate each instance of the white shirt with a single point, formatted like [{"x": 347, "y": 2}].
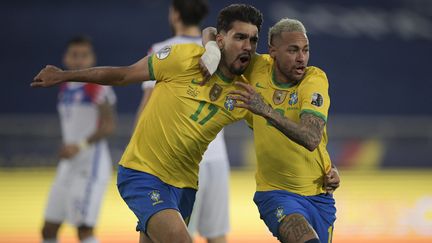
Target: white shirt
[{"x": 78, "y": 109}]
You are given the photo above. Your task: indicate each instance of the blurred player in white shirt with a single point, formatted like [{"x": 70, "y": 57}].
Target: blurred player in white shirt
[
  {"x": 210, "y": 216},
  {"x": 87, "y": 117}
]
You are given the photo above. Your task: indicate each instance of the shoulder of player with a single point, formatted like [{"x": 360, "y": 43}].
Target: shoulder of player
[
  {"x": 260, "y": 63},
  {"x": 262, "y": 59},
  {"x": 183, "y": 51},
  {"x": 314, "y": 74}
]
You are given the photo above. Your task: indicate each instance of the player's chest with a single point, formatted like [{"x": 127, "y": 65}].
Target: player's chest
[
  {"x": 212, "y": 97},
  {"x": 284, "y": 101}
]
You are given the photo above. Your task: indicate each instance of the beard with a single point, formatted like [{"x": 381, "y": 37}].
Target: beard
[
  {"x": 231, "y": 67},
  {"x": 290, "y": 75},
  {"x": 236, "y": 71}
]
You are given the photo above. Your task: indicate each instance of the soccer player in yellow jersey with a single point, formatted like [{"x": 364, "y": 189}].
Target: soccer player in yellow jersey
[
  {"x": 158, "y": 171},
  {"x": 289, "y": 99}
]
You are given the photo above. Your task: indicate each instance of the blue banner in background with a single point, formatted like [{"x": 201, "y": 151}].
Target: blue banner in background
[{"x": 376, "y": 53}]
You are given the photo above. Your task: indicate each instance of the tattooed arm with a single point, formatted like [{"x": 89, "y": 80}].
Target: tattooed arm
[{"x": 308, "y": 133}]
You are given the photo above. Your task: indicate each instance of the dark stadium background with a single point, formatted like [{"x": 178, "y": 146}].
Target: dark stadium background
[{"x": 377, "y": 56}]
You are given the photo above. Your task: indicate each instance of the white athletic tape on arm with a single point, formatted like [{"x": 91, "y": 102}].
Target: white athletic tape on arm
[{"x": 211, "y": 56}]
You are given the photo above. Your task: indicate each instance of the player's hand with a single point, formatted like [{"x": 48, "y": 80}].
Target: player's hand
[
  {"x": 209, "y": 60},
  {"x": 250, "y": 99},
  {"x": 205, "y": 72},
  {"x": 69, "y": 151},
  {"x": 331, "y": 180},
  {"x": 49, "y": 76}
]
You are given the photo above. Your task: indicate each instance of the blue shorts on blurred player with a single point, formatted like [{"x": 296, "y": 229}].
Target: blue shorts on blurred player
[
  {"x": 318, "y": 210},
  {"x": 146, "y": 195}
]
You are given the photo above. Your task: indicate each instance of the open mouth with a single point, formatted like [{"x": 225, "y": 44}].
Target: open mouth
[
  {"x": 244, "y": 58},
  {"x": 300, "y": 69}
]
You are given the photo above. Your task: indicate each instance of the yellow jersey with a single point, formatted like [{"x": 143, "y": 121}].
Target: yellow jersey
[
  {"x": 181, "y": 118},
  {"x": 282, "y": 163}
]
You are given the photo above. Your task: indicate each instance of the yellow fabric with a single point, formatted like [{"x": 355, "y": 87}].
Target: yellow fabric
[
  {"x": 181, "y": 117},
  {"x": 282, "y": 163}
]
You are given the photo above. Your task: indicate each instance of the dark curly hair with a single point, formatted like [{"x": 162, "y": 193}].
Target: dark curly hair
[{"x": 238, "y": 12}]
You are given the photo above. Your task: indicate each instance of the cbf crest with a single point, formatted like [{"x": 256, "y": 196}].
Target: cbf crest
[
  {"x": 279, "y": 96},
  {"x": 215, "y": 92},
  {"x": 229, "y": 104},
  {"x": 293, "y": 99},
  {"x": 155, "y": 197},
  {"x": 280, "y": 214}
]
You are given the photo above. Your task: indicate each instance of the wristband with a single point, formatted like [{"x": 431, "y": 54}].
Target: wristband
[{"x": 211, "y": 56}]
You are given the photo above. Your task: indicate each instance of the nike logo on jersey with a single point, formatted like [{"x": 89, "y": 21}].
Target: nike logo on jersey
[
  {"x": 258, "y": 85},
  {"x": 194, "y": 81}
]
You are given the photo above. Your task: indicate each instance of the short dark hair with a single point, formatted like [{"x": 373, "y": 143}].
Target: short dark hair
[
  {"x": 238, "y": 12},
  {"x": 192, "y": 12},
  {"x": 79, "y": 40}
]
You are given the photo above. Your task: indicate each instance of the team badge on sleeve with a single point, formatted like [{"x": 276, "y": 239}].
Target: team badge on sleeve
[
  {"x": 229, "y": 104},
  {"x": 215, "y": 92},
  {"x": 279, "y": 96},
  {"x": 163, "y": 53},
  {"x": 317, "y": 99}
]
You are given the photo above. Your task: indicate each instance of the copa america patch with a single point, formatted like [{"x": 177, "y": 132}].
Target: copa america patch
[
  {"x": 163, "y": 53},
  {"x": 317, "y": 99}
]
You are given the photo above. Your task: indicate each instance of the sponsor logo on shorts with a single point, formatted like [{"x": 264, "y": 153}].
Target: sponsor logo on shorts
[
  {"x": 155, "y": 197},
  {"x": 280, "y": 214}
]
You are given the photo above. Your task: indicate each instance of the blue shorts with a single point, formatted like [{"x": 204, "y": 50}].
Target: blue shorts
[
  {"x": 145, "y": 195},
  {"x": 318, "y": 210}
]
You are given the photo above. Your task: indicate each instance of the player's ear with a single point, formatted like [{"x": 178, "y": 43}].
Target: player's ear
[
  {"x": 272, "y": 51},
  {"x": 220, "y": 40}
]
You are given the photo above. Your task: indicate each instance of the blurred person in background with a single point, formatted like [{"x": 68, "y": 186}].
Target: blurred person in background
[
  {"x": 158, "y": 172},
  {"x": 87, "y": 117},
  {"x": 295, "y": 177},
  {"x": 210, "y": 215}
]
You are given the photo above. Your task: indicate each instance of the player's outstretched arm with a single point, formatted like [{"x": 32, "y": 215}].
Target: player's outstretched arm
[
  {"x": 51, "y": 75},
  {"x": 308, "y": 133}
]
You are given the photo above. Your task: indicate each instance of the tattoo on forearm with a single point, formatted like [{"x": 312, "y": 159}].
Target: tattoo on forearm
[
  {"x": 258, "y": 105},
  {"x": 308, "y": 133},
  {"x": 294, "y": 227}
]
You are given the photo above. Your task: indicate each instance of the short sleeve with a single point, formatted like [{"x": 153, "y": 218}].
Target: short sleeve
[
  {"x": 313, "y": 95},
  {"x": 172, "y": 61}
]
